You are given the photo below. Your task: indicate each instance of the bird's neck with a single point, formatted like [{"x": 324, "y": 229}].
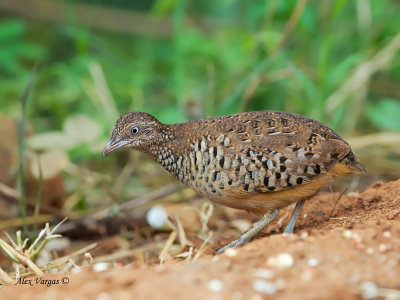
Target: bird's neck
[
  {"x": 163, "y": 149},
  {"x": 171, "y": 150}
]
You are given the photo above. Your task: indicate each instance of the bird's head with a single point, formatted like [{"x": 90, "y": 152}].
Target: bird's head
[{"x": 136, "y": 130}]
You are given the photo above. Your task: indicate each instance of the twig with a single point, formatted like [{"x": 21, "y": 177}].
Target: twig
[
  {"x": 5, "y": 278},
  {"x": 128, "y": 169},
  {"x": 337, "y": 201},
  {"x": 62, "y": 260},
  {"x": 205, "y": 214},
  {"x": 181, "y": 234},
  {"x": 139, "y": 201},
  {"x": 20, "y": 258},
  {"x": 384, "y": 139},
  {"x": 363, "y": 73},
  {"x": 203, "y": 247},
  {"x": 294, "y": 18},
  {"x": 161, "y": 192},
  {"x": 15, "y": 222},
  {"x": 164, "y": 252},
  {"x": 103, "y": 91},
  {"x": 128, "y": 252},
  {"x": 13, "y": 196}
]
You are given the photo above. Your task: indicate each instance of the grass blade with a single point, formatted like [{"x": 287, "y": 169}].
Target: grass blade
[{"x": 21, "y": 138}]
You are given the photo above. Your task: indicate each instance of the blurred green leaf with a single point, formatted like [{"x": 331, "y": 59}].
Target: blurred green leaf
[
  {"x": 11, "y": 29},
  {"x": 385, "y": 114}
]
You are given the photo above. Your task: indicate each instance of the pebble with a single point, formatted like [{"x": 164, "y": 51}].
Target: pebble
[
  {"x": 369, "y": 290},
  {"x": 304, "y": 234},
  {"x": 356, "y": 238},
  {"x": 230, "y": 252},
  {"x": 347, "y": 234},
  {"x": 370, "y": 251},
  {"x": 156, "y": 216},
  {"x": 264, "y": 287},
  {"x": 387, "y": 234},
  {"x": 215, "y": 285},
  {"x": 383, "y": 247},
  {"x": 313, "y": 262},
  {"x": 264, "y": 273},
  {"x": 100, "y": 267},
  {"x": 281, "y": 261},
  {"x": 76, "y": 270}
]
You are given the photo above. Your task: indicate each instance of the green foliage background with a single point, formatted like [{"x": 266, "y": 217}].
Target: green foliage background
[{"x": 208, "y": 69}]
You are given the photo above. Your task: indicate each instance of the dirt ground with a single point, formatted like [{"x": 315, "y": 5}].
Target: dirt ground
[{"x": 351, "y": 251}]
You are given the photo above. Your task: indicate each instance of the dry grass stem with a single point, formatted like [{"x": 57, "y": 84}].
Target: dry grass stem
[
  {"x": 181, "y": 234},
  {"x": 164, "y": 254},
  {"x": 363, "y": 73}
]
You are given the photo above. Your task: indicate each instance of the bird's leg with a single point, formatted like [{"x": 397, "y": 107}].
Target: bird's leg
[
  {"x": 248, "y": 235},
  {"x": 290, "y": 226}
]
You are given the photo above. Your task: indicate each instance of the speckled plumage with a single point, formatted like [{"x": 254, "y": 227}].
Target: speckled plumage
[{"x": 256, "y": 161}]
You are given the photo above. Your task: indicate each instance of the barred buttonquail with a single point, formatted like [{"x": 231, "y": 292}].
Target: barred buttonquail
[{"x": 256, "y": 161}]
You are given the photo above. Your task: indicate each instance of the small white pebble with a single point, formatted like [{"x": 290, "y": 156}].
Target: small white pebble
[
  {"x": 387, "y": 234},
  {"x": 215, "y": 285},
  {"x": 347, "y": 234},
  {"x": 103, "y": 296},
  {"x": 353, "y": 194},
  {"x": 356, "y": 238},
  {"x": 313, "y": 262},
  {"x": 369, "y": 290},
  {"x": 264, "y": 273},
  {"x": 305, "y": 216},
  {"x": 156, "y": 216},
  {"x": 100, "y": 267},
  {"x": 264, "y": 287},
  {"x": 383, "y": 247},
  {"x": 370, "y": 251},
  {"x": 304, "y": 234},
  {"x": 76, "y": 270},
  {"x": 281, "y": 261},
  {"x": 230, "y": 252}
]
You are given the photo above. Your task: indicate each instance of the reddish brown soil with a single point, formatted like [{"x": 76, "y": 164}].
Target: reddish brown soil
[{"x": 352, "y": 252}]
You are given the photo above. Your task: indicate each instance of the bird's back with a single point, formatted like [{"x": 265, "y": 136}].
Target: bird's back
[{"x": 240, "y": 155}]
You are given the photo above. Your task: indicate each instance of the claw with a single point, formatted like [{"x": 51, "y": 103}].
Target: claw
[{"x": 248, "y": 235}]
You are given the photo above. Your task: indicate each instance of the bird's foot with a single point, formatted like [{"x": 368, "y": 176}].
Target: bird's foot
[
  {"x": 247, "y": 236},
  {"x": 234, "y": 244}
]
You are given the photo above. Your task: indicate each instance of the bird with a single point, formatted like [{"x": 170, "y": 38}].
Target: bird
[{"x": 260, "y": 161}]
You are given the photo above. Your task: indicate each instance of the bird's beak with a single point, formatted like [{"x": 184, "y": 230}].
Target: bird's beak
[{"x": 114, "y": 144}]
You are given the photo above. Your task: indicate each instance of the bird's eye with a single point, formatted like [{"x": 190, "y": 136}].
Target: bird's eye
[{"x": 135, "y": 130}]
